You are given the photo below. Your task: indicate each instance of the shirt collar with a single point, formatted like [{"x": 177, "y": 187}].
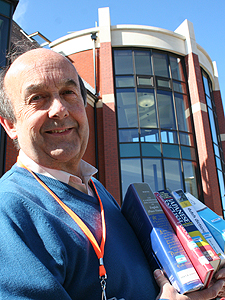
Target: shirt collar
[{"x": 86, "y": 170}]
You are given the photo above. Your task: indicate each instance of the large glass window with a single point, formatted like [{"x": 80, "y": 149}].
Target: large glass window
[
  {"x": 218, "y": 151},
  {"x": 156, "y": 142}
]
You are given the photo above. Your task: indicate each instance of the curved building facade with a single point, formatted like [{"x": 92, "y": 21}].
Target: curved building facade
[
  {"x": 157, "y": 115},
  {"x": 154, "y": 108}
]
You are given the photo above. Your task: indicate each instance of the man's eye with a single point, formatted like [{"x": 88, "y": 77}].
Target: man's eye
[
  {"x": 36, "y": 98},
  {"x": 68, "y": 92}
]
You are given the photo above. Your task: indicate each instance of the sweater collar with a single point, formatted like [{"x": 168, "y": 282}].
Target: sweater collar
[{"x": 86, "y": 169}]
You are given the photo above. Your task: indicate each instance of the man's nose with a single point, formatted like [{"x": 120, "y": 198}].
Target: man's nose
[{"x": 58, "y": 108}]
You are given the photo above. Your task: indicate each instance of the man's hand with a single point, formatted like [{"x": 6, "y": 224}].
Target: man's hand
[{"x": 167, "y": 291}]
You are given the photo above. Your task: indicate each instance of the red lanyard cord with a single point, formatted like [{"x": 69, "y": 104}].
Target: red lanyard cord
[{"x": 98, "y": 250}]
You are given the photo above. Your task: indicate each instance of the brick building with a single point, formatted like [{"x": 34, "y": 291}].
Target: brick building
[{"x": 154, "y": 108}]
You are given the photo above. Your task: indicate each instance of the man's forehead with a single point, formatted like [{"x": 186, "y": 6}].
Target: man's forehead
[{"x": 50, "y": 66}]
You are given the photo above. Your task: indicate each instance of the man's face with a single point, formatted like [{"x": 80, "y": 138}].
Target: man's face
[{"x": 51, "y": 127}]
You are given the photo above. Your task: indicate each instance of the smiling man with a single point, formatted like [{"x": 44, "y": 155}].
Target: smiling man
[{"x": 59, "y": 228}]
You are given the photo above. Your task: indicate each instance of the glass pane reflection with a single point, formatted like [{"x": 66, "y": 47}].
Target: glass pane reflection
[
  {"x": 166, "y": 110},
  {"x": 123, "y": 62},
  {"x": 147, "y": 109},
  {"x": 149, "y": 135},
  {"x": 190, "y": 178},
  {"x": 153, "y": 173},
  {"x": 160, "y": 64},
  {"x": 173, "y": 174},
  {"x": 126, "y": 108},
  {"x": 128, "y": 135},
  {"x": 143, "y": 62},
  {"x": 130, "y": 172},
  {"x": 125, "y": 81}
]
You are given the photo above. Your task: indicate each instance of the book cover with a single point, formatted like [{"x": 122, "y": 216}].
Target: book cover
[
  {"x": 199, "y": 261},
  {"x": 196, "y": 219},
  {"x": 157, "y": 238},
  {"x": 181, "y": 215},
  {"x": 214, "y": 223}
]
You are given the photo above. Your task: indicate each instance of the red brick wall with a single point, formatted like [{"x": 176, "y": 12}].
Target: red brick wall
[
  {"x": 203, "y": 136},
  {"x": 84, "y": 63},
  {"x": 89, "y": 155},
  {"x": 112, "y": 182}
]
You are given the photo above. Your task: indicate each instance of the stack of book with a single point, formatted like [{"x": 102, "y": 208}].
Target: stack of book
[{"x": 174, "y": 233}]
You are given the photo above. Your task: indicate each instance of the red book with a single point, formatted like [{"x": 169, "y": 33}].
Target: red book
[{"x": 203, "y": 267}]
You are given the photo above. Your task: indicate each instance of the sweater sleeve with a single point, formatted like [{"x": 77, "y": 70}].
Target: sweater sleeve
[{"x": 32, "y": 256}]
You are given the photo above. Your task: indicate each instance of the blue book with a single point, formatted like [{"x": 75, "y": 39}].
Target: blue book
[
  {"x": 157, "y": 238},
  {"x": 214, "y": 223}
]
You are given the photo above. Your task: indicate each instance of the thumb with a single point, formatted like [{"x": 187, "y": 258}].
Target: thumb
[
  {"x": 167, "y": 291},
  {"x": 160, "y": 278}
]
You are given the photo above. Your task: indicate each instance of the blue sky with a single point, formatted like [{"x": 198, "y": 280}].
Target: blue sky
[{"x": 55, "y": 19}]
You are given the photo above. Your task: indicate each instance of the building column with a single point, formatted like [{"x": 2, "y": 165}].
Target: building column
[
  {"x": 201, "y": 121},
  {"x": 111, "y": 159}
]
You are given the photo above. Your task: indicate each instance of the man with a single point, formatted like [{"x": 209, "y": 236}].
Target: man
[{"x": 44, "y": 250}]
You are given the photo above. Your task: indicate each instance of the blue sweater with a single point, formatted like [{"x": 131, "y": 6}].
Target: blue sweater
[{"x": 44, "y": 255}]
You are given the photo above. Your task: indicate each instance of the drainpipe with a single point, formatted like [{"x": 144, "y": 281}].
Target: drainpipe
[{"x": 94, "y": 38}]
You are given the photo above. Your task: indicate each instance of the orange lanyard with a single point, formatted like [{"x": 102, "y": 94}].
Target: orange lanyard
[{"x": 98, "y": 250}]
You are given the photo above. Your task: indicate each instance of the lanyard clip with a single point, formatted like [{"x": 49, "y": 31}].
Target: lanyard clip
[{"x": 103, "y": 286}]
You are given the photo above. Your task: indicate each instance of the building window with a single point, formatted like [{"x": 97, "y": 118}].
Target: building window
[
  {"x": 218, "y": 151},
  {"x": 156, "y": 142},
  {"x": 5, "y": 15}
]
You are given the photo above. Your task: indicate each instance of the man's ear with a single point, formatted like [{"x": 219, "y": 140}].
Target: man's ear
[{"x": 9, "y": 127}]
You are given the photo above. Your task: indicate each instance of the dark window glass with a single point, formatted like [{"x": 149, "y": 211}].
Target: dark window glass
[
  {"x": 123, "y": 62},
  {"x": 208, "y": 101},
  {"x": 143, "y": 62},
  {"x": 128, "y": 136},
  {"x": 183, "y": 115},
  {"x": 216, "y": 150},
  {"x": 130, "y": 172},
  {"x": 147, "y": 108},
  {"x": 179, "y": 87},
  {"x": 4, "y": 32},
  {"x": 206, "y": 85},
  {"x": 171, "y": 151},
  {"x": 163, "y": 83},
  {"x": 153, "y": 175},
  {"x": 149, "y": 149},
  {"x": 126, "y": 108},
  {"x": 5, "y": 8},
  {"x": 218, "y": 163},
  {"x": 176, "y": 68},
  {"x": 188, "y": 153},
  {"x": 160, "y": 64},
  {"x": 150, "y": 135},
  {"x": 129, "y": 150},
  {"x": 125, "y": 81},
  {"x": 152, "y": 109},
  {"x": 173, "y": 174},
  {"x": 186, "y": 139},
  {"x": 169, "y": 137},
  {"x": 166, "y": 110},
  {"x": 146, "y": 81},
  {"x": 212, "y": 125}
]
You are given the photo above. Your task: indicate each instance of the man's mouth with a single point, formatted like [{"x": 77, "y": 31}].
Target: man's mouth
[{"x": 59, "y": 130}]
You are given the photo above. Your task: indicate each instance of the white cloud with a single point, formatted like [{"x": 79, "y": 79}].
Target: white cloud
[{"x": 19, "y": 15}]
